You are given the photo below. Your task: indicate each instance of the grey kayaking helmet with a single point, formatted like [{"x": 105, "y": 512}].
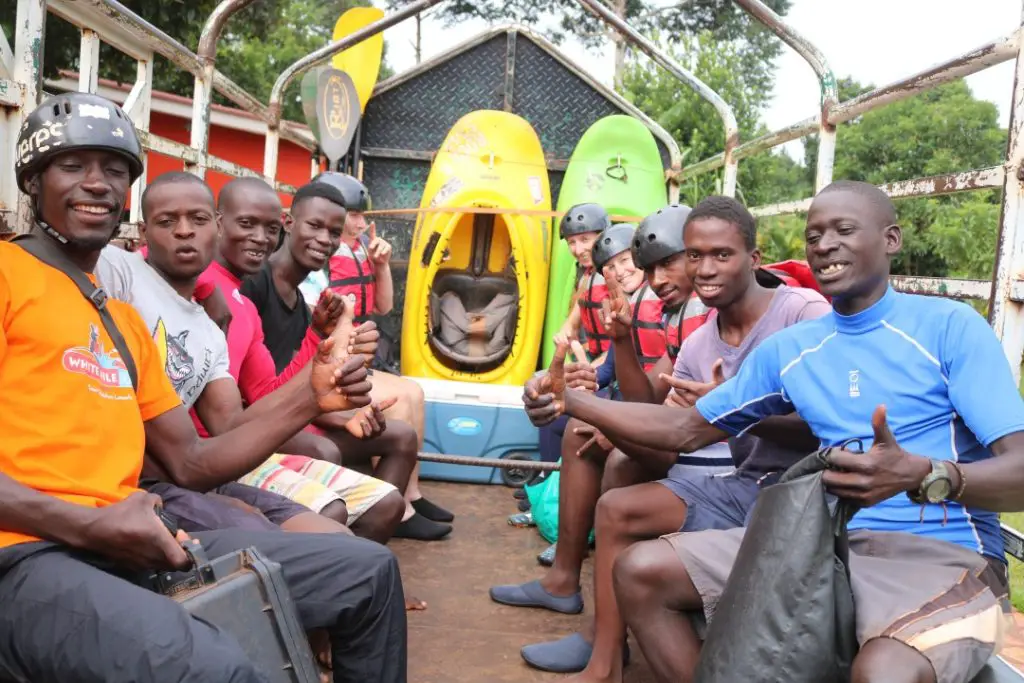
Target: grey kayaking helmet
[
  {"x": 589, "y": 217},
  {"x": 612, "y": 242},
  {"x": 660, "y": 235},
  {"x": 357, "y": 196},
  {"x": 74, "y": 121}
]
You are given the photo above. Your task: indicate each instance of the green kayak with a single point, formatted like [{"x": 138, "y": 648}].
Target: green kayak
[{"x": 616, "y": 164}]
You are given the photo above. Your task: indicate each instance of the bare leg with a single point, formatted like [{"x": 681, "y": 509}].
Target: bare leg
[
  {"x": 380, "y": 521},
  {"x": 578, "y": 489},
  {"x": 330, "y": 520},
  {"x": 396, "y": 446},
  {"x": 885, "y": 660},
  {"x": 654, "y": 593},
  {"x": 624, "y": 516}
]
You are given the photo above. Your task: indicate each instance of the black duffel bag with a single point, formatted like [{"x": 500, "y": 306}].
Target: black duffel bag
[{"x": 787, "y": 612}]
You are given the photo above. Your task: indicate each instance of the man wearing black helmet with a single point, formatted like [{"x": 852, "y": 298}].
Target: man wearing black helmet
[{"x": 74, "y": 528}]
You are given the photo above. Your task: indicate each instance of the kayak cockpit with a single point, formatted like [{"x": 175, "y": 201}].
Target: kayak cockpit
[{"x": 474, "y": 298}]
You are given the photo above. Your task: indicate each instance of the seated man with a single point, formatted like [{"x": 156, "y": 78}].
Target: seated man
[
  {"x": 723, "y": 263},
  {"x": 250, "y": 224},
  {"x": 360, "y": 266},
  {"x": 312, "y": 232},
  {"x": 923, "y": 381},
  {"x": 76, "y": 414},
  {"x": 181, "y": 232},
  {"x": 660, "y": 252}
]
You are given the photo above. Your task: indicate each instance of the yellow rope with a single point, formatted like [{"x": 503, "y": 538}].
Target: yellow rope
[{"x": 616, "y": 218}]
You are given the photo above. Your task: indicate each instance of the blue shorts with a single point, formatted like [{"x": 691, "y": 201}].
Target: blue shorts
[{"x": 716, "y": 501}]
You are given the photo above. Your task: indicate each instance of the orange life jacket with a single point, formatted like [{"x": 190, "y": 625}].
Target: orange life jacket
[
  {"x": 649, "y": 338},
  {"x": 352, "y": 273},
  {"x": 593, "y": 291}
]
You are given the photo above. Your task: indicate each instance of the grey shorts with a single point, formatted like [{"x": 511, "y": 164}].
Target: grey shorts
[
  {"x": 197, "y": 512},
  {"x": 714, "y": 501},
  {"x": 945, "y": 601}
]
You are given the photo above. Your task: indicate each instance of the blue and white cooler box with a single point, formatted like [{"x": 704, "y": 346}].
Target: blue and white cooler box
[{"x": 477, "y": 420}]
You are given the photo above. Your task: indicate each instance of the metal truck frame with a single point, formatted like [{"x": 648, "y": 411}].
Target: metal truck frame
[{"x": 111, "y": 22}]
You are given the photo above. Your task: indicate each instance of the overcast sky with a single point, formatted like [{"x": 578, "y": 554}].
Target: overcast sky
[{"x": 874, "y": 41}]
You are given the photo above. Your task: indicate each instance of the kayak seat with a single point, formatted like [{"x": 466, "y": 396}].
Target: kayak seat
[{"x": 473, "y": 319}]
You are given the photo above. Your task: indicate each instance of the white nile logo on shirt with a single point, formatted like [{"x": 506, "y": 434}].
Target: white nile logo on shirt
[{"x": 854, "y": 379}]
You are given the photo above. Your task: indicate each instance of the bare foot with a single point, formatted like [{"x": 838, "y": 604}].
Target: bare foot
[{"x": 414, "y": 604}]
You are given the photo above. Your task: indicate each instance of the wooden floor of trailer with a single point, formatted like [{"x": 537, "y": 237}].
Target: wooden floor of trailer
[{"x": 464, "y": 637}]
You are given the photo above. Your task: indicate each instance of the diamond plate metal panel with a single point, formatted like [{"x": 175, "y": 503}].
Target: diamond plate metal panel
[
  {"x": 413, "y": 118},
  {"x": 418, "y": 114}
]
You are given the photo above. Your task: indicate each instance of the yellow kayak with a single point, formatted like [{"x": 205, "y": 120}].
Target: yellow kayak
[
  {"x": 477, "y": 283},
  {"x": 361, "y": 61}
]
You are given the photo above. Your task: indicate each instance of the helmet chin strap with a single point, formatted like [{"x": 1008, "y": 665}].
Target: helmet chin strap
[{"x": 48, "y": 229}]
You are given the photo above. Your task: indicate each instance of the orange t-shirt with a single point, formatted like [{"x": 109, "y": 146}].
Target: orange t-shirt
[{"x": 71, "y": 425}]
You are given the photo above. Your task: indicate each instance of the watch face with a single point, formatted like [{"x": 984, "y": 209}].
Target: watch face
[{"x": 938, "y": 490}]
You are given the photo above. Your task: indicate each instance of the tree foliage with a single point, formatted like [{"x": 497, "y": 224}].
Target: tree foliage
[
  {"x": 561, "y": 19},
  {"x": 943, "y": 130},
  {"x": 256, "y": 46},
  {"x": 697, "y": 127}
]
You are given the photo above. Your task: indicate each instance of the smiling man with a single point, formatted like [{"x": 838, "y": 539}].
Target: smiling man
[
  {"x": 78, "y": 406},
  {"x": 921, "y": 381}
]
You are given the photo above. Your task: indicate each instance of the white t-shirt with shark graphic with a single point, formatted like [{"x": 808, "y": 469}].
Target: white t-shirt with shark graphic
[{"x": 193, "y": 349}]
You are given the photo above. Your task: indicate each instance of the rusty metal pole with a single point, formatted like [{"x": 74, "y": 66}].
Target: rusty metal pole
[
  {"x": 1006, "y": 314},
  {"x": 311, "y": 60},
  {"x": 22, "y": 91},
  {"x": 826, "y": 81},
  {"x": 732, "y": 133},
  {"x": 203, "y": 96}
]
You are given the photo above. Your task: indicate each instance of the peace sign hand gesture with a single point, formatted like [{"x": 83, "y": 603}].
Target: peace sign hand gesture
[
  {"x": 379, "y": 249},
  {"x": 618, "y": 318}
]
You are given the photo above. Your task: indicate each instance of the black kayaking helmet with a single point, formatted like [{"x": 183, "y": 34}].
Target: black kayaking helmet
[
  {"x": 660, "y": 235},
  {"x": 357, "y": 197},
  {"x": 611, "y": 243},
  {"x": 583, "y": 218},
  {"x": 74, "y": 121}
]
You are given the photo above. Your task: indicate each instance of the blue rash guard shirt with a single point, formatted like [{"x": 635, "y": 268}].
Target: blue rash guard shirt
[{"x": 935, "y": 364}]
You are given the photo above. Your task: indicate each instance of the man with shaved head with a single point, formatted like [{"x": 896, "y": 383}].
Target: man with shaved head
[{"x": 922, "y": 383}]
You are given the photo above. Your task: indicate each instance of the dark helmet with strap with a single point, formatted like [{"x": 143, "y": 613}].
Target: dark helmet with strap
[
  {"x": 74, "y": 121},
  {"x": 660, "y": 235},
  {"x": 357, "y": 197},
  {"x": 611, "y": 243},
  {"x": 583, "y": 218}
]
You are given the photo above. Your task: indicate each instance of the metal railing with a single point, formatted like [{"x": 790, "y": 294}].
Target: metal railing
[{"x": 111, "y": 22}]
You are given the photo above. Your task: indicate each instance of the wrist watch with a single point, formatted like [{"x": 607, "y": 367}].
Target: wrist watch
[{"x": 935, "y": 487}]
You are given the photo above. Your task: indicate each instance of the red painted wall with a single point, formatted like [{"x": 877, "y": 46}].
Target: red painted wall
[{"x": 240, "y": 147}]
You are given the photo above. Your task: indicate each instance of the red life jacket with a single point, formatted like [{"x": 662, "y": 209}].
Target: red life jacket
[
  {"x": 649, "y": 339},
  {"x": 683, "y": 322},
  {"x": 352, "y": 273},
  {"x": 794, "y": 274},
  {"x": 594, "y": 291}
]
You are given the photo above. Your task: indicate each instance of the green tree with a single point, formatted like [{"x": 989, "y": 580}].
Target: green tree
[
  {"x": 696, "y": 126},
  {"x": 257, "y": 44},
  {"x": 559, "y": 19},
  {"x": 942, "y": 130}
]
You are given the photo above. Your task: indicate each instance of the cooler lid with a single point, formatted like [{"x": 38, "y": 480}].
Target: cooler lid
[{"x": 448, "y": 391}]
